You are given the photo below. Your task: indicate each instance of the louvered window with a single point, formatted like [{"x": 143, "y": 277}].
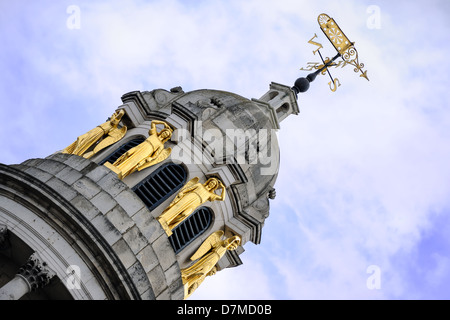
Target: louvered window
[
  {"x": 122, "y": 149},
  {"x": 161, "y": 184},
  {"x": 191, "y": 228}
]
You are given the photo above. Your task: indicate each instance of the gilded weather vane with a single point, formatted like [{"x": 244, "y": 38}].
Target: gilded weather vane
[{"x": 345, "y": 50}]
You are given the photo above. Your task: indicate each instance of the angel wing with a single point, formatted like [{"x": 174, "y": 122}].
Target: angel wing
[
  {"x": 161, "y": 157},
  {"x": 70, "y": 148},
  {"x": 113, "y": 136},
  {"x": 189, "y": 184},
  {"x": 207, "y": 245}
]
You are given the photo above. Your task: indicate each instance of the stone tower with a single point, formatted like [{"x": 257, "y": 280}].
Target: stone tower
[{"x": 86, "y": 222}]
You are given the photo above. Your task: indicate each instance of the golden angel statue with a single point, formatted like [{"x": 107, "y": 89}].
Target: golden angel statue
[
  {"x": 208, "y": 254},
  {"x": 192, "y": 195},
  {"x": 149, "y": 152},
  {"x": 108, "y": 131}
]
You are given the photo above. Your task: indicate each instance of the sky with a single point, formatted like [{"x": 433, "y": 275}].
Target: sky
[{"x": 363, "y": 191}]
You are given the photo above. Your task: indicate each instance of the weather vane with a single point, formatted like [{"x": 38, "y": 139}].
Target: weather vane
[{"x": 345, "y": 49}]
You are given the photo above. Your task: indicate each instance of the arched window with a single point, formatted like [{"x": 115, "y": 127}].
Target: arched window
[
  {"x": 161, "y": 184},
  {"x": 192, "y": 227},
  {"x": 122, "y": 149},
  {"x": 282, "y": 110}
]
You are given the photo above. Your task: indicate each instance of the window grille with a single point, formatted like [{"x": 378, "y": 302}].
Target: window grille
[
  {"x": 191, "y": 228},
  {"x": 161, "y": 184}
]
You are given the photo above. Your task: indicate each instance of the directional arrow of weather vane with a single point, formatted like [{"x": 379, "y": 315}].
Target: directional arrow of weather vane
[{"x": 345, "y": 49}]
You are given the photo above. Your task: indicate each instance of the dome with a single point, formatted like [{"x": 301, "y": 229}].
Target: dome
[
  {"x": 249, "y": 139},
  {"x": 232, "y": 131}
]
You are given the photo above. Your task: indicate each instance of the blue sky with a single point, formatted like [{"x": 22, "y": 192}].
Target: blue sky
[{"x": 364, "y": 177}]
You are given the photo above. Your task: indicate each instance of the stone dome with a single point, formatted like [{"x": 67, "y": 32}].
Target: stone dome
[{"x": 232, "y": 131}]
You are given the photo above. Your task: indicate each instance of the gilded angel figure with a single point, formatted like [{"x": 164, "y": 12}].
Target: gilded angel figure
[
  {"x": 107, "y": 132},
  {"x": 192, "y": 195},
  {"x": 148, "y": 153},
  {"x": 207, "y": 256}
]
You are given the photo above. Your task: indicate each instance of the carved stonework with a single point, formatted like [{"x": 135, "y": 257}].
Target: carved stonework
[
  {"x": 272, "y": 194},
  {"x": 36, "y": 272},
  {"x": 216, "y": 102}
]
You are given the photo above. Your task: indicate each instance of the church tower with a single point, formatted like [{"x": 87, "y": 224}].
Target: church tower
[{"x": 147, "y": 205}]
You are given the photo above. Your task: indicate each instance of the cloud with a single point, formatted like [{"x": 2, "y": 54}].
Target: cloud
[{"x": 252, "y": 280}]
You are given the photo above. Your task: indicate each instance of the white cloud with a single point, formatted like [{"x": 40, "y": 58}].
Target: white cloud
[
  {"x": 436, "y": 275},
  {"x": 248, "y": 281}
]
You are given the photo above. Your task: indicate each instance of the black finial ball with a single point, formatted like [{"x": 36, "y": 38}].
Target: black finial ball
[{"x": 301, "y": 85}]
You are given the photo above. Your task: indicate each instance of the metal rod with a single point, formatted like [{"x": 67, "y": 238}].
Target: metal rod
[{"x": 325, "y": 66}]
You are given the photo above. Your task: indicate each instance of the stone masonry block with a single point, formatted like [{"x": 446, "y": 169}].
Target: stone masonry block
[
  {"x": 164, "y": 295},
  {"x": 76, "y": 162},
  {"x": 173, "y": 273},
  {"x": 150, "y": 228},
  {"x": 139, "y": 277},
  {"x": 120, "y": 219},
  {"x": 98, "y": 173},
  {"x": 104, "y": 202},
  {"x": 177, "y": 289},
  {"x": 51, "y": 166},
  {"x": 32, "y": 162},
  {"x": 86, "y": 187},
  {"x": 157, "y": 280},
  {"x": 148, "y": 295},
  {"x": 69, "y": 175},
  {"x": 129, "y": 202},
  {"x": 111, "y": 184},
  {"x": 173, "y": 278},
  {"x": 164, "y": 251},
  {"x": 147, "y": 257},
  {"x": 135, "y": 239},
  {"x": 62, "y": 188},
  {"x": 38, "y": 174},
  {"x": 124, "y": 253},
  {"x": 85, "y": 207},
  {"x": 106, "y": 229},
  {"x": 60, "y": 157}
]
